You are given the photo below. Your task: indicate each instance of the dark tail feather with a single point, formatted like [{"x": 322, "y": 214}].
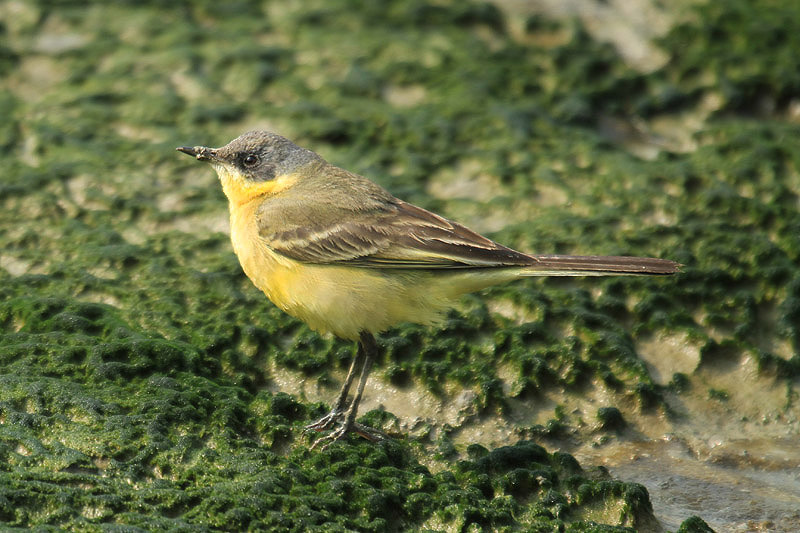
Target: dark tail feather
[{"x": 597, "y": 265}]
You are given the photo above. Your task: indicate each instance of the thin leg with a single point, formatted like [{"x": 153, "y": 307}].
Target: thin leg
[
  {"x": 339, "y": 408},
  {"x": 370, "y": 348}
]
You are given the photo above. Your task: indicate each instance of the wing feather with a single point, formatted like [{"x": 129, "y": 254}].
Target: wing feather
[{"x": 400, "y": 235}]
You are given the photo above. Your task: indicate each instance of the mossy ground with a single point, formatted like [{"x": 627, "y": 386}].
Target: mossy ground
[{"x": 135, "y": 389}]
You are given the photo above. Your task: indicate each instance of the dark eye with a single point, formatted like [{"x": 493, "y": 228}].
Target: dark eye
[{"x": 250, "y": 160}]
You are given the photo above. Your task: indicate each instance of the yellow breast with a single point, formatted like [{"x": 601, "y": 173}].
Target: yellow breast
[{"x": 342, "y": 300}]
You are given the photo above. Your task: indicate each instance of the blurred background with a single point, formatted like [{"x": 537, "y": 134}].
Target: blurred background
[{"x": 146, "y": 385}]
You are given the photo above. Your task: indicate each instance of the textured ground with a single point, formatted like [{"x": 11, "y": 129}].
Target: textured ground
[{"x": 146, "y": 385}]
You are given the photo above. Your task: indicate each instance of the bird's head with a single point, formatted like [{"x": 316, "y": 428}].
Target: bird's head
[{"x": 255, "y": 164}]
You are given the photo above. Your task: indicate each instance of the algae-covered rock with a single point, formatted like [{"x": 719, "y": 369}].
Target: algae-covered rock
[{"x": 146, "y": 385}]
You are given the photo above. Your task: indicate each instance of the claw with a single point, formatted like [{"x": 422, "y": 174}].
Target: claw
[
  {"x": 366, "y": 352},
  {"x": 326, "y": 421},
  {"x": 371, "y": 434}
]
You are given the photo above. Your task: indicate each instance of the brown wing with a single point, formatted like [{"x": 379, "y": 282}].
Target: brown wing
[{"x": 399, "y": 235}]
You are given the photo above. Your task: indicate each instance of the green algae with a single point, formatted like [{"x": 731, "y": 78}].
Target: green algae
[{"x": 134, "y": 356}]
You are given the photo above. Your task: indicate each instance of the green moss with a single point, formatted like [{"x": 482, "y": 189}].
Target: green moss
[
  {"x": 739, "y": 50},
  {"x": 135, "y": 358},
  {"x": 718, "y": 394},
  {"x": 694, "y": 524},
  {"x": 610, "y": 419}
]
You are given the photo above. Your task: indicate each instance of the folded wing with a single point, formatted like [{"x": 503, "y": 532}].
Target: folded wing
[{"x": 401, "y": 235}]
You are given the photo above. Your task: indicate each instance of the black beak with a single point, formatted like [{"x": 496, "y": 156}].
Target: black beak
[{"x": 202, "y": 153}]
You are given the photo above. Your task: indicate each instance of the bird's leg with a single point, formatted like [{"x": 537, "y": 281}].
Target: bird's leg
[
  {"x": 338, "y": 409},
  {"x": 370, "y": 348}
]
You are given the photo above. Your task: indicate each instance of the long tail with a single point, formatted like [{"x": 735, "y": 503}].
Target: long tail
[{"x": 598, "y": 265}]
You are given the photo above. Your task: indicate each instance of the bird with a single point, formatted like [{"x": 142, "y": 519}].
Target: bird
[{"x": 339, "y": 252}]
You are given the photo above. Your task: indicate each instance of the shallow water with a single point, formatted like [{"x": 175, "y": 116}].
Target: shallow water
[{"x": 730, "y": 495}]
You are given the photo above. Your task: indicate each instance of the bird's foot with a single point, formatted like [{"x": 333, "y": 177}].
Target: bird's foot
[
  {"x": 347, "y": 426},
  {"x": 326, "y": 421}
]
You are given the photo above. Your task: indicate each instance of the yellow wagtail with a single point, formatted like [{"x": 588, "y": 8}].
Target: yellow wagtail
[{"x": 342, "y": 254}]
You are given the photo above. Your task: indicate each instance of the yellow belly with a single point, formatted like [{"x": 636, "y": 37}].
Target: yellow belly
[
  {"x": 346, "y": 300},
  {"x": 337, "y": 299}
]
